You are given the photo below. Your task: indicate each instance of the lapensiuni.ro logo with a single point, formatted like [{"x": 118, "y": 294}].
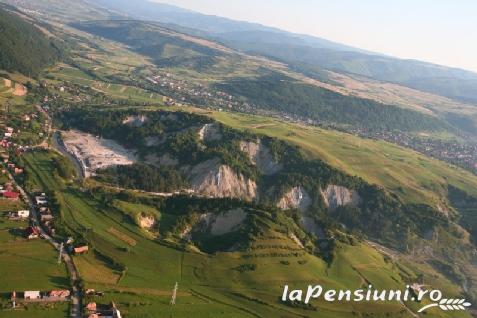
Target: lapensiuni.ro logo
[{"x": 431, "y": 298}]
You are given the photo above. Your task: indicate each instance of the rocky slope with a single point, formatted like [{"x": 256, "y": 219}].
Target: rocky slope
[
  {"x": 336, "y": 196},
  {"x": 296, "y": 198},
  {"x": 211, "y": 178},
  {"x": 260, "y": 156}
]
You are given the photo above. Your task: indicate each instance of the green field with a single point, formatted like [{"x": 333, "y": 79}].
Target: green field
[
  {"x": 140, "y": 277},
  {"x": 38, "y": 311},
  {"x": 415, "y": 178},
  {"x": 26, "y": 264}
]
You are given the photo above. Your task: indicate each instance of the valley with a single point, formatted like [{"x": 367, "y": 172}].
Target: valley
[{"x": 167, "y": 157}]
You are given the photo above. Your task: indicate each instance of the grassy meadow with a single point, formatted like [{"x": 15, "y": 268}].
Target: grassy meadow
[
  {"x": 415, "y": 178},
  {"x": 140, "y": 277}
]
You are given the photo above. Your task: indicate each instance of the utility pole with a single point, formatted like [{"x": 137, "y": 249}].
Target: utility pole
[{"x": 174, "y": 294}]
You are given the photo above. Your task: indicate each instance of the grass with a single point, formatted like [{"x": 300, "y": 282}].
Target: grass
[
  {"x": 415, "y": 178},
  {"x": 140, "y": 277},
  {"x": 58, "y": 310},
  {"x": 42, "y": 174},
  {"x": 27, "y": 264}
]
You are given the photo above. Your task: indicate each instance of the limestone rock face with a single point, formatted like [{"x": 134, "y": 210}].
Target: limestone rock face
[
  {"x": 210, "y": 132},
  {"x": 135, "y": 121},
  {"x": 146, "y": 222},
  {"x": 260, "y": 156},
  {"x": 336, "y": 196},
  {"x": 213, "y": 179},
  {"x": 296, "y": 198}
]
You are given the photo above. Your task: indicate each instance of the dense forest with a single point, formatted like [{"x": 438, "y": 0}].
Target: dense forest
[
  {"x": 281, "y": 93},
  {"x": 143, "y": 177},
  {"x": 23, "y": 47}
]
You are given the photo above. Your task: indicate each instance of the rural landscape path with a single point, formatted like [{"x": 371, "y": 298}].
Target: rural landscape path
[{"x": 72, "y": 270}]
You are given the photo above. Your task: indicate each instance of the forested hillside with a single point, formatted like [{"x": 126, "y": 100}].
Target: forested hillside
[
  {"x": 280, "y": 93},
  {"x": 23, "y": 47},
  {"x": 296, "y": 50}
]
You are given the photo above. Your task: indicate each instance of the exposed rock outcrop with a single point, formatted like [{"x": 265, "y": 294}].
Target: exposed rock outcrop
[
  {"x": 217, "y": 180},
  {"x": 296, "y": 198},
  {"x": 295, "y": 239},
  {"x": 210, "y": 132},
  {"x": 220, "y": 224},
  {"x": 260, "y": 156},
  {"x": 146, "y": 221},
  {"x": 135, "y": 121},
  {"x": 336, "y": 196}
]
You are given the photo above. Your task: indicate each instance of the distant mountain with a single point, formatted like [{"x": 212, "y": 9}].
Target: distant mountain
[
  {"x": 23, "y": 47},
  {"x": 307, "y": 53}
]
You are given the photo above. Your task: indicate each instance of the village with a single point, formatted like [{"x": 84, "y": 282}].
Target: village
[
  {"x": 459, "y": 153},
  {"x": 37, "y": 213}
]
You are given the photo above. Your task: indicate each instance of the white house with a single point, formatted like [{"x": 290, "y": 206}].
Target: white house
[
  {"x": 41, "y": 200},
  {"x": 24, "y": 214},
  {"x": 32, "y": 295}
]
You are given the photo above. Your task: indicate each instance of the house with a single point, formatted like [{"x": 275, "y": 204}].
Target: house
[
  {"x": 18, "y": 171},
  {"x": 59, "y": 293},
  {"x": 24, "y": 214},
  {"x": 32, "y": 295},
  {"x": 91, "y": 307},
  {"x": 32, "y": 233},
  {"x": 11, "y": 195},
  {"x": 81, "y": 249},
  {"x": 44, "y": 210},
  {"x": 41, "y": 200},
  {"x": 113, "y": 312},
  {"x": 8, "y": 135},
  {"x": 46, "y": 217}
]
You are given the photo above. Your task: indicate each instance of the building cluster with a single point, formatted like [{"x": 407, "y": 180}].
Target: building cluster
[
  {"x": 19, "y": 215},
  {"x": 36, "y": 295},
  {"x": 95, "y": 310},
  {"x": 183, "y": 92},
  {"x": 459, "y": 153},
  {"x": 45, "y": 215}
]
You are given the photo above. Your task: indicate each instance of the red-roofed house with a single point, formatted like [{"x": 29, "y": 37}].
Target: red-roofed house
[
  {"x": 32, "y": 233},
  {"x": 11, "y": 195},
  {"x": 81, "y": 250}
]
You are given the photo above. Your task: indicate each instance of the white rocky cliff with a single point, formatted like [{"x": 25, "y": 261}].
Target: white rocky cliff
[
  {"x": 213, "y": 179},
  {"x": 336, "y": 196},
  {"x": 260, "y": 156},
  {"x": 296, "y": 198}
]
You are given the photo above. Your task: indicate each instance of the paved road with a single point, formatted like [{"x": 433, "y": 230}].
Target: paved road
[
  {"x": 58, "y": 145},
  {"x": 74, "y": 275}
]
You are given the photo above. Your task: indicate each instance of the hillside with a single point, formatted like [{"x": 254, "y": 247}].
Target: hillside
[
  {"x": 307, "y": 52},
  {"x": 23, "y": 47},
  {"x": 264, "y": 87},
  {"x": 177, "y": 159}
]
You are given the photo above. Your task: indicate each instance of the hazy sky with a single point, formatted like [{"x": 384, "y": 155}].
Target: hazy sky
[{"x": 439, "y": 31}]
